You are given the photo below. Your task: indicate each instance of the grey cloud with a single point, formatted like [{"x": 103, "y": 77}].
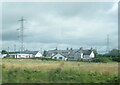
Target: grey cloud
[{"x": 62, "y": 24}]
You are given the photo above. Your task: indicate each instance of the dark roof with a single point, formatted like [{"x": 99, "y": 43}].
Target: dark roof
[
  {"x": 86, "y": 52},
  {"x": 60, "y": 54},
  {"x": 25, "y": 52},
  {"x": 69, "y": 53}
]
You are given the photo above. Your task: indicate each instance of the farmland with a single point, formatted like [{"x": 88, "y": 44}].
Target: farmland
[{"x": 38, "y": 71}]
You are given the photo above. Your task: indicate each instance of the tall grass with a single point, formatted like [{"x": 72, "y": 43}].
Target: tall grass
[
  {"x": 57, "y": 75},
  {"x": 37, "y": 71},
  {"x": 112, "y": 68}
]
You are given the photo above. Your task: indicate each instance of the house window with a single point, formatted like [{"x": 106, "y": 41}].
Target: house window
[
  {"x": 13, "y": 56},
  {"x": 72, "y": 57},
  {"x": 60, "y": 57},
  {"x": 27, "y": 56},
  {"x": 55, "y": 57},
  {"x": 16, "y": 56}
]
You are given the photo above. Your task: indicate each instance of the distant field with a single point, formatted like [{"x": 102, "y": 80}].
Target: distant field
[{"x": 37, "y": 71}]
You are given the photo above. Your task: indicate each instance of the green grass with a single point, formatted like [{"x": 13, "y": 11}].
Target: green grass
[
  {"x": 37, "y": 71},
  {"x": 56, "y": 75}
]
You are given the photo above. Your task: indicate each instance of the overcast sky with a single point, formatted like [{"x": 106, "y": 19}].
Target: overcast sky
[{"x": 62, "y": 24}]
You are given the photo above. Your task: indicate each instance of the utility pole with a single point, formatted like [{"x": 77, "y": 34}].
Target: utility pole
[
  {"x": 22, "y": 33},
  {"x": 41, "y": 50},
  {"x": 18, "y": 36},
  {"x": 108, "y": 49},
  {"x": 15, "y": 48},
  {"x": 8, "y": 49}
]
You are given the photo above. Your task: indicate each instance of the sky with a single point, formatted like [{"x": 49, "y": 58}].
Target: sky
[{"x": 60, "y": 24}]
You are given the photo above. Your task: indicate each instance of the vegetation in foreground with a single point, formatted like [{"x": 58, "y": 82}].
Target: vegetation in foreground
[
  {"x": 37, "y": 71},
  {"x": 55, "y": 76}
]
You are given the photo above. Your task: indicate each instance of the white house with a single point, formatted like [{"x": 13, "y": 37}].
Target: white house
[
  {"x": 20, "y": 55},
  {"x": 59, "y": 57},
  {"x": 3, "y": 55},
  {"x": 92, "y": 55},
  {"x": 72, "y": 54},
  {"x": 25, "y": 54},
  {"x": 38, "y": 54}
]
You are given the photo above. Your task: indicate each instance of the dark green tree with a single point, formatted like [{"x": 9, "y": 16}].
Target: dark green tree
[
  {"x": 4, "y": 52},
  {"x": 44, "y": 53},
  {"x": 113, "y": 53}
]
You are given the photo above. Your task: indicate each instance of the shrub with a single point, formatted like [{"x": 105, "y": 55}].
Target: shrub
[
  {"x": 43, "y": 58},
  {"x": 116, "y": 59},
  {"x": 99, "y": 55},
  {"x": 7, "y": 57},
  {"x": 102, "y": 59}
]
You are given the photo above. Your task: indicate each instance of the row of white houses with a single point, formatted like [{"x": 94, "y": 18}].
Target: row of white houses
[
  {"x": 72, "y": 54},
  {"x": 68, "y": 54}
]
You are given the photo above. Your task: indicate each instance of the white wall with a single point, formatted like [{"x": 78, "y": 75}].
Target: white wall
[
  {"x": 21, "y": 55},
  {"x": 3, "y": 55},
  {"x": 92, "y": 55},
  {"x": 86, "y": 57},
  {"x": 81, "y": 55},
  {"x": 58, "y": 56},
  {"x": 38, "y": 54}
]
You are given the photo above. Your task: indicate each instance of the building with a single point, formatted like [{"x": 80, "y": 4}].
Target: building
[
  {"x": 59, "y": 57},
  {"x": 72, "y": 54},
  {"x": 81, "y": 54},
  {"x": 3, "y": 55},
  {"x": 25, "y": 54}
]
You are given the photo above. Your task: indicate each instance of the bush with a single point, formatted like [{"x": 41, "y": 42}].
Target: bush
[
  {"x": 70, "y": 76},
  {"x": 117, "y": 59},
  {"x": 43, "y": 58},
  {"x": 102, "y": 59},
  {"x": 7, "y": 57},
  {"x": 100, "y": 55}
]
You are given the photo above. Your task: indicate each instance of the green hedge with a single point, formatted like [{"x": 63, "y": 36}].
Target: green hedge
[
  {"x": 43, "y": 58},
  {"x": 116, "y": 59},
  {"x": 102, "y": 59},
  {"x": 39, "y": 58}
]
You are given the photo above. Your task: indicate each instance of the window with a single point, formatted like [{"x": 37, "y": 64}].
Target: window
[
  {"x": 72, "y": 57},
  {"x": 55, "y": 57},
  {"x": 13, "y": 56},
  {"x": 19, "y": 55},
  {"x": 60, "y": 57}
]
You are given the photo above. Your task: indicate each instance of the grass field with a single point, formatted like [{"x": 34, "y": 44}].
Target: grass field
[{"x": 37, "y": 71}]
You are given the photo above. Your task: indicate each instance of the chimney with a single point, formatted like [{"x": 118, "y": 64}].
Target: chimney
[
  {"x": 81, "y": 48},
  {"x": 91, "y": 49},
  {"x": 67, "y": 48},
  {"x": 56, "y": 48},
  {"x": 71, "y": 49}
]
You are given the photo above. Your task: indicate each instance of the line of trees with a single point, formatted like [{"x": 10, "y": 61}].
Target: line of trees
[{"x": 113, "y": 55}]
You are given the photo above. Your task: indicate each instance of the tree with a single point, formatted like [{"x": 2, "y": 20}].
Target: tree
[
  {"x": 4, "y": 52},
  {"x": 113, "y": 53},
  {"x": 95, "y": 52},
  {"x": 44, "y": 53}
]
